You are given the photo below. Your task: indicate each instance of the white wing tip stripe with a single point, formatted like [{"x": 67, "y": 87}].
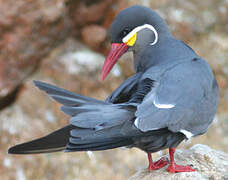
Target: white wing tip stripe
[
  {"x": 163, "y": 106},
  {"x": 136, "y": 122},
  {"x": 137, "y": 125},
  {"x": 186, "y": 133}
]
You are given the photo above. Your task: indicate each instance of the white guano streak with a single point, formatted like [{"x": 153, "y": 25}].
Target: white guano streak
[{"x": 139, "y": 28}]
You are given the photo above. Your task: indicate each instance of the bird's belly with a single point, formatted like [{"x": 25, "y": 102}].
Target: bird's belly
[{"x": 154, "y": 141}]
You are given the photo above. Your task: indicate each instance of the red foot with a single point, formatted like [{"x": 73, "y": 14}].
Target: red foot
[
  {"x": 158, "y": 164},
  {"x": 173, "y": 168}
]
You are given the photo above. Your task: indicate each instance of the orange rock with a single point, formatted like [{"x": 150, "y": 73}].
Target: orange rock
[{"x": 94, "y": 35}]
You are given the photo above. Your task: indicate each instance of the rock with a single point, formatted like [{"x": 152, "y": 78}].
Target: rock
[
  {"x": 94, "y": 11},
  {"x": 75, "y": 58},
  {"x": 209, "y": 163},
  {"x": 90, "y": 12},
  {"x": 94, "y": 35},
  {"x": 28, "y": 32}
]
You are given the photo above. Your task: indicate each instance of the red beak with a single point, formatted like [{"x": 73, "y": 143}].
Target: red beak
[{"x": 117, "y": 50}]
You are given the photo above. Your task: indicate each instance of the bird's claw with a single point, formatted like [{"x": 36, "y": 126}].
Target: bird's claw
[
  {"x": 175, "y": 168},
  {"x": 158, "y": 164}
]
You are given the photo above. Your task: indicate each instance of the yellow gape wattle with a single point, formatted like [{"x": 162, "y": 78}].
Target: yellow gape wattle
[{"x": 132, "y": 40}]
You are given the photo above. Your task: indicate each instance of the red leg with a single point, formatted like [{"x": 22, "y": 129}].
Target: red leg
[
  {"x": 173, "y": 167},
  {"x": 156, "y": 165}
]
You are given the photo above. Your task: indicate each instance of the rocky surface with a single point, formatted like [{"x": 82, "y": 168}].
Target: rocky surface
[
  {"x": 29, "y": 31},
  {"x": 210, "y": 164}
]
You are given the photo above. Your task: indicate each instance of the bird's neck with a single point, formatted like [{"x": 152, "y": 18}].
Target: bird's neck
[
  {"x": 145, "y": 56},
  {"x": 167, "y": 50}
]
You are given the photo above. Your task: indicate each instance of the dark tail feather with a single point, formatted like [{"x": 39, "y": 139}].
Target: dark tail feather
[
  {"x": 96, "y": 140},
  {"x": 99, "y": 145},
  {"x": 53, "y": 142}
]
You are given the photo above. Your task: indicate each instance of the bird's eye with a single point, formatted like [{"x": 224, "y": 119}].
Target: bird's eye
[{"x": 125, "y": 32}]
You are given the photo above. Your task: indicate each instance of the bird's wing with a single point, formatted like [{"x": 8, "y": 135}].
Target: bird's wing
[
  {"x": 102, "y": 127},
  {"x": 125, "y": 90},
  {"x": 183, "y": 100},
  {"x": 86, "y": 112},
  {"x": 94, "y": 125}
]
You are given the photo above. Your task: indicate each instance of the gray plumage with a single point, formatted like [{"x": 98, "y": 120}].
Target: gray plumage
[{"x": 172, "y": 90}]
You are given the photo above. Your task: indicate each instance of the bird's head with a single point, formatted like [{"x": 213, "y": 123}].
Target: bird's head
[{"x": 133, "y": 29}]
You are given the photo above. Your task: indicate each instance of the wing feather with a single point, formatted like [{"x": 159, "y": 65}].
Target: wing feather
[{"x": 193, "y": 100}]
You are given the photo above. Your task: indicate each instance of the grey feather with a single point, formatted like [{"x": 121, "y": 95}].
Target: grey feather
[
  {"x": 66, "y": 97},
  {"x": 181, "y": 86},
  {"x": 125, "y": 90},
  {"x": 74, "y": 110},
  {"x": 100, "y": 115}
]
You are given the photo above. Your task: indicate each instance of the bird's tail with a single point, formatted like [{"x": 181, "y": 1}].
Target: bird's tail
[
  {"x": 61, "y": 140},
  {"x": 53, "y": 142},
  {"x": 95, "y": 125}
]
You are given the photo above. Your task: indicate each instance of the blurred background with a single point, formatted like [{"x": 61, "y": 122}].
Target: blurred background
[{"x": 64, "y": 42}]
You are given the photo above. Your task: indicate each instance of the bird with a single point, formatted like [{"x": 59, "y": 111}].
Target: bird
[{"x": 171, "y": 97}]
